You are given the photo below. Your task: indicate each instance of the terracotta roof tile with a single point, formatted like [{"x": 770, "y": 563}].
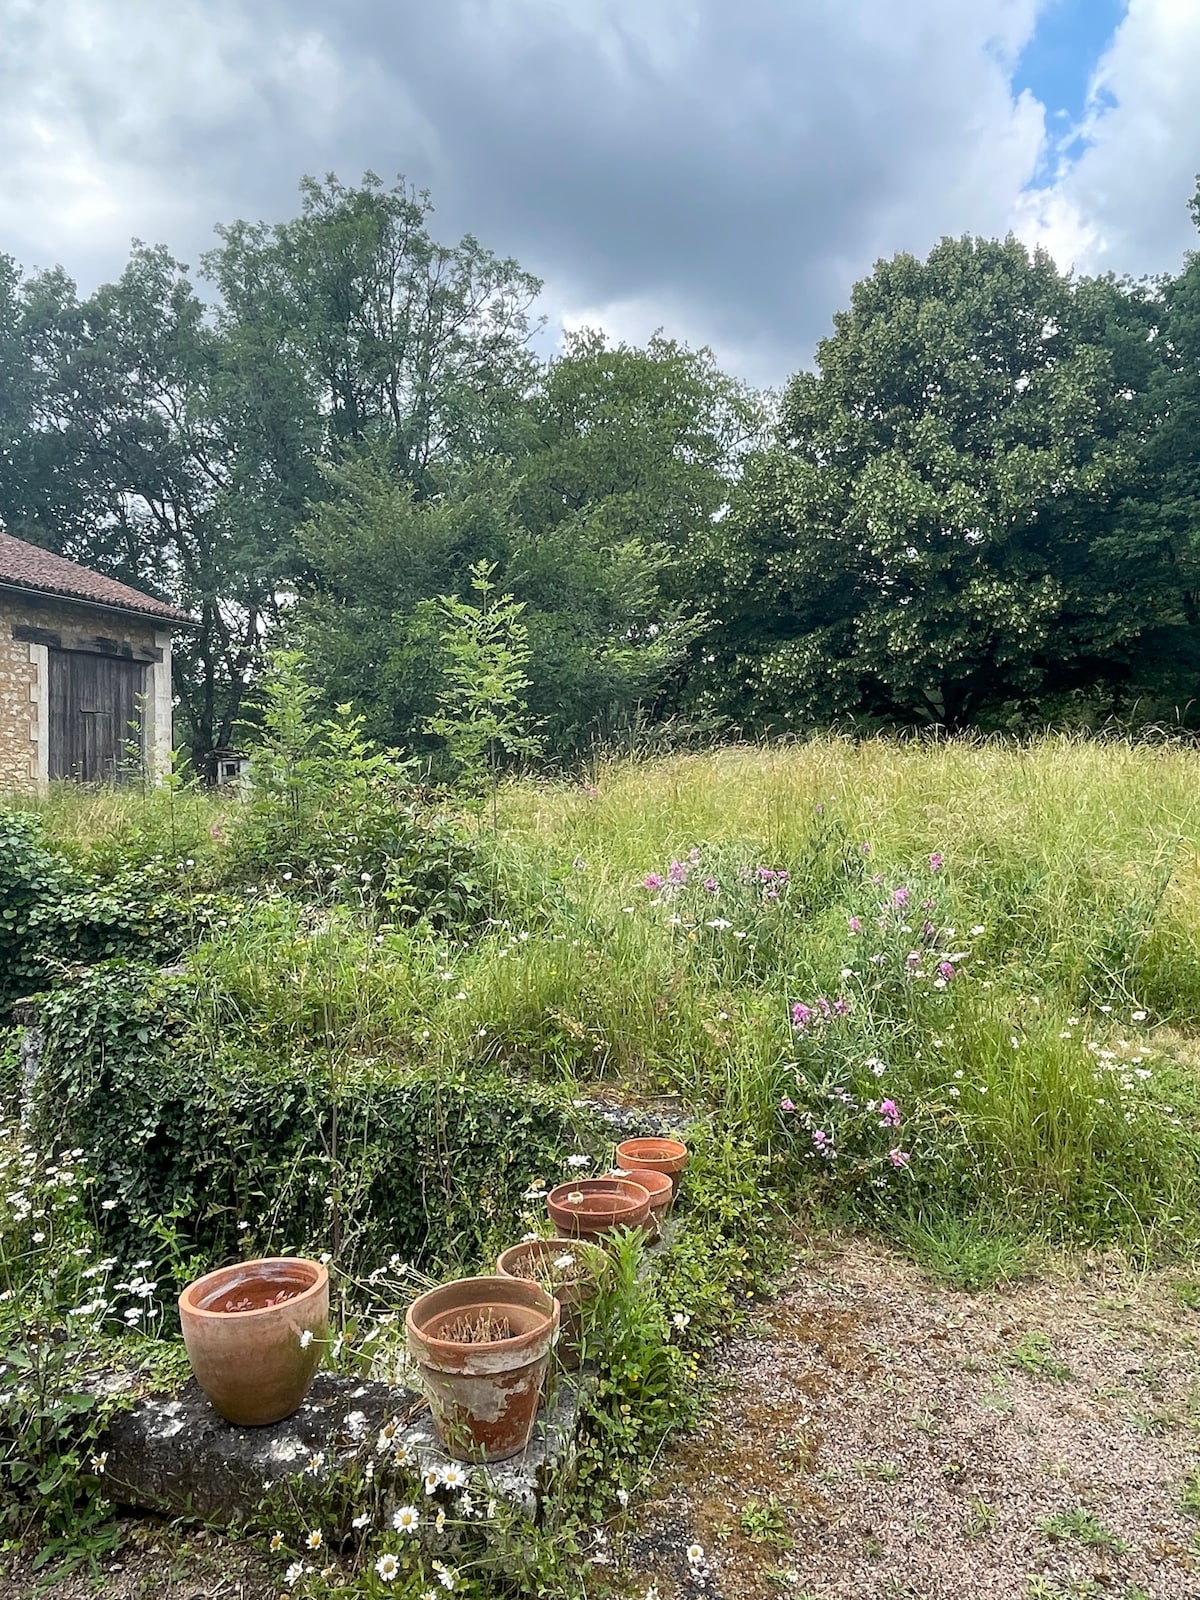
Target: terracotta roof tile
[{"x": 28, "y": 566}]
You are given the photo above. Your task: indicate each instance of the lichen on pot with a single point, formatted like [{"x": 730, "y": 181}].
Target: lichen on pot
[{"x": 482, "y": 1346}]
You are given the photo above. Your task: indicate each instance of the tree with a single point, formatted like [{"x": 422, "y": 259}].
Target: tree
[
  {"x": 920, "y": 543},
  {"x": 483, "y": 715}
]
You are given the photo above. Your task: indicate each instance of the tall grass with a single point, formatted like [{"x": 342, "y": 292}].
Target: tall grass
[{"x": 1032, "y": 1089}]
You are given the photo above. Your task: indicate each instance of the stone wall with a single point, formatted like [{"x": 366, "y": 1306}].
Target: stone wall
[{"x": 24, "y": 681}]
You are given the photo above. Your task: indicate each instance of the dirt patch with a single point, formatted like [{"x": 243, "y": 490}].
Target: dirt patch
[
  {"x": 156, "y": 1562},
  {"x": 882, "y": 1436}
]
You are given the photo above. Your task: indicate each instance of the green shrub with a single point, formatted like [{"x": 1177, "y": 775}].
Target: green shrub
[
  {"x": 210, "y": 1154},
  {"x": 31, "y": 879}
]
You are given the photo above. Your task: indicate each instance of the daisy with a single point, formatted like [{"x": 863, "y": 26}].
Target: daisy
[
  {"x": 454, "y": 1476},
  {"x": 407, "y": 1520},
  {"x": 387, "y": 1567},
  {"x": 315, "y": 1539}
]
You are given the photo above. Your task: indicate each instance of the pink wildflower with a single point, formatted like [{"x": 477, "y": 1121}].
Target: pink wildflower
[
  {"x": 653, "y": 880},
  {"x": 935, "y": 861},
  {"x": 900, "y": 898},
  {"x": 899, "y": 1158},
  {"x": 694, "y": 854},
  {"x": 913, "y": 958},
  {"x": 711, "y": 885},
  {"x": 786, "y": 1105},
  {"x": 677, "y": 872},
  {"x": 802, "y": 1016},
  {"x": 945, "y": 970},
  {"x": 865, "y": 847},
  {"x": 854, "y": 925},
  {"x": 820, "y": 1138},
  {"x": 889, "y": 1111},
  {"x": 841, "y": 1008}
]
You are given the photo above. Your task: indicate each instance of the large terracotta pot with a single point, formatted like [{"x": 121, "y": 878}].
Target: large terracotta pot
[
  {"x": 484, "y": 1396},
  {"x": 572, "y": 1286},
  {"x": 244, "y": 1328},
  {"x": 653, "y": 1155},
  {"x": 590, "y": 1208},
  {"x": 660, "y": 1189}
]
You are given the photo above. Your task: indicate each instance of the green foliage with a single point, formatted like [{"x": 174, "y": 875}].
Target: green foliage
[
  {"x": 30, "y": 878},
  {"x": 213, "y": 1152},
  {"x": 483, "y": 716},
  {"x": 966, "y": 1251}
]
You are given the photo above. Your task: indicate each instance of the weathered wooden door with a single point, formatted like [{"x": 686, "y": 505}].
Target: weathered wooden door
[{"x": 95, "y": 716}]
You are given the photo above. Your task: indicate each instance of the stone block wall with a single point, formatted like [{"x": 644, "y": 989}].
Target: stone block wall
[{"x": 24, "y": 681}]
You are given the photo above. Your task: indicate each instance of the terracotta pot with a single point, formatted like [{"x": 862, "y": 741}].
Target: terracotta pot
[
  {"x": 605, "y": 1204},
  {"x": 653, "y": 1155},
  {"x": 244, "y": 1343},
  {"x": 572, "y": 1295},
  {"x": 484, "y": 1396},
  {"x": 658, "y": 1186}
]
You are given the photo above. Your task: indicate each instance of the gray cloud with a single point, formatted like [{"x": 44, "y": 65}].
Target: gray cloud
[{"x": 725, "y": 170}]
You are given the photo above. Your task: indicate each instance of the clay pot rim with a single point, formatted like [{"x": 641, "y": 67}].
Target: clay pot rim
[
  {"x": 663, "y": 1185},
  {"x": 499, "y": 1290},
  {"x": 628, "y": 1195},
  {"x": 320, "y": 1282},
  {"x": 656, "y": 1150},
  {"x": 557, "y": 1243}
]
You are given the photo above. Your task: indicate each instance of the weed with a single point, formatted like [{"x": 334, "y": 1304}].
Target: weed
[
  {"x": 1189, "y": 1495},
  {"x": 980, "y": 1520},
  {"x": 765, "y": 1522},
  {"x": 1034, "y": 1354},
  {"x": 1085, "y": 1528}
]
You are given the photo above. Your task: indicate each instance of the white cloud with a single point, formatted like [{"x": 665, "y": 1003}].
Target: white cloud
[{"x": 1120, "y": 203}]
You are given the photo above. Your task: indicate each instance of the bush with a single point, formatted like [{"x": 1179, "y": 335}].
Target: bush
[{"x": 209, "y": 1155}]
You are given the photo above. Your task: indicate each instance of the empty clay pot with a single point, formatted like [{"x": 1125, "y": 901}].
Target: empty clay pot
[
  {"x": 243, "y": 1327},
  {"x": 483, "y": 1395},
  {"x": 653, "y": 1155},
  {"x": 658, "y": 1186},
  {"x": 589, "y": 1208},
  {"x": 572, "y": 1292}
]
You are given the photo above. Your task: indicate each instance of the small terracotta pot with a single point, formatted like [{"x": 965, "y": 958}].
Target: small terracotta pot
[
  {"x": 572, "y": 1296},
  {"x": 484, "y": 1397},
  {"x": 606, "y": 1203},
  {"x": 653, "y": 1155},
  {"x": 245, "y": 1347},
  {"x": 658, "y": 1186}
]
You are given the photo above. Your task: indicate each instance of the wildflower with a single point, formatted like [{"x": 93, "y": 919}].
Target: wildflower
[
  {"x": 433, "y": 1479},
  {"x": 680, "y": 1320},
  {"x": 711, "y": 886},
  {"x": 294, "y": 1573},
  {"x": 652, "y": 880},
  {"x": 454, "y": 1476},
  {"x": 820, "y": 1138},
  {"x": 913, "y": 959},
  {"x": 315, "y": 1539},
  {"x": 802, "y": 1016},
  {"x": 306, "y": 1338},
  {"x": 889, "y": 1113},
  {"x": 899, "y": 1158},
  {"x": 276, "y": 1540},
  {"x": 108, "y": 1205},
  {"x": 1138, "y": 1016},
  {"x": 623, "y": 1496},
  {"x": 719, "y": 923},
  {"x": 578, "y": 1161},
  {"x": 877, "y": 1066},
  {"x": 315, "y": 1462},
  {"x": 787, "y": 1105},
  {"x": 361, "y": 1520},
  {"x": 841, "y": 1008},
  {"x": 854, "y": 925},
  {"x": 677, "y": 872},
  {"x": 439, "y": 1522},
  {"x": 387, "y": 1567},
  {"x": 900, "y": 898},
  {"x": 695, "y": 1555},
  {"x": 406, "y": 1520},
  {"x": 98, "y": 1463},
  {"x": 491, "y": 1510},
  {"x": 564, "y": 1262},
  {"x": 446, "y": 1576},
  {"x": 935, "y": 861}
]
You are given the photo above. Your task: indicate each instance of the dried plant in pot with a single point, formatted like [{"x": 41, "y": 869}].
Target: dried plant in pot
[
  {"x": 482, "y": 1346},
  {"x": 591, "y": 1208},
  {"x": 254, "y": 1334},
  {"x": 572, "y": 1270},
  {"x": 653, "y": 1155}
]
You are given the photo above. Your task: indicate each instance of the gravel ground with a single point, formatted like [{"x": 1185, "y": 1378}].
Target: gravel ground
[{"x": 879, "y": 1435}]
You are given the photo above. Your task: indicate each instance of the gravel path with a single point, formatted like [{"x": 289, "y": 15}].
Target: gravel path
[{"x": 880, "y": 1436}]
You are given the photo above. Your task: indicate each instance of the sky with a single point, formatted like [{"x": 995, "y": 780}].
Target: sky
[{"x": 723, "y": 169}]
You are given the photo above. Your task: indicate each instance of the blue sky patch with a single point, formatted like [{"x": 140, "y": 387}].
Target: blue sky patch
[{"x": 1057, "y": 63}]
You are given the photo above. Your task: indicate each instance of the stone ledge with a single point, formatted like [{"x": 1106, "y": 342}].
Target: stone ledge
[{"x": 174, "y": 1454}]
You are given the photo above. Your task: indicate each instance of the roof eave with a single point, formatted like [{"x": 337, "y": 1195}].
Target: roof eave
[{"x": 14, "y": 586}]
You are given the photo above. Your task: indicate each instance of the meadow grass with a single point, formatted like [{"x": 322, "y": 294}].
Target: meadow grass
[{"x": 1046, "y": 1089}]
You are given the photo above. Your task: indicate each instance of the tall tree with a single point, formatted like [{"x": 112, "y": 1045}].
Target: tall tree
[{"x": 920, "y": 543}]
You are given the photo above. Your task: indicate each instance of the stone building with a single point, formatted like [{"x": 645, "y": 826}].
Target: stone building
[{"x": 85, "y": 673}]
